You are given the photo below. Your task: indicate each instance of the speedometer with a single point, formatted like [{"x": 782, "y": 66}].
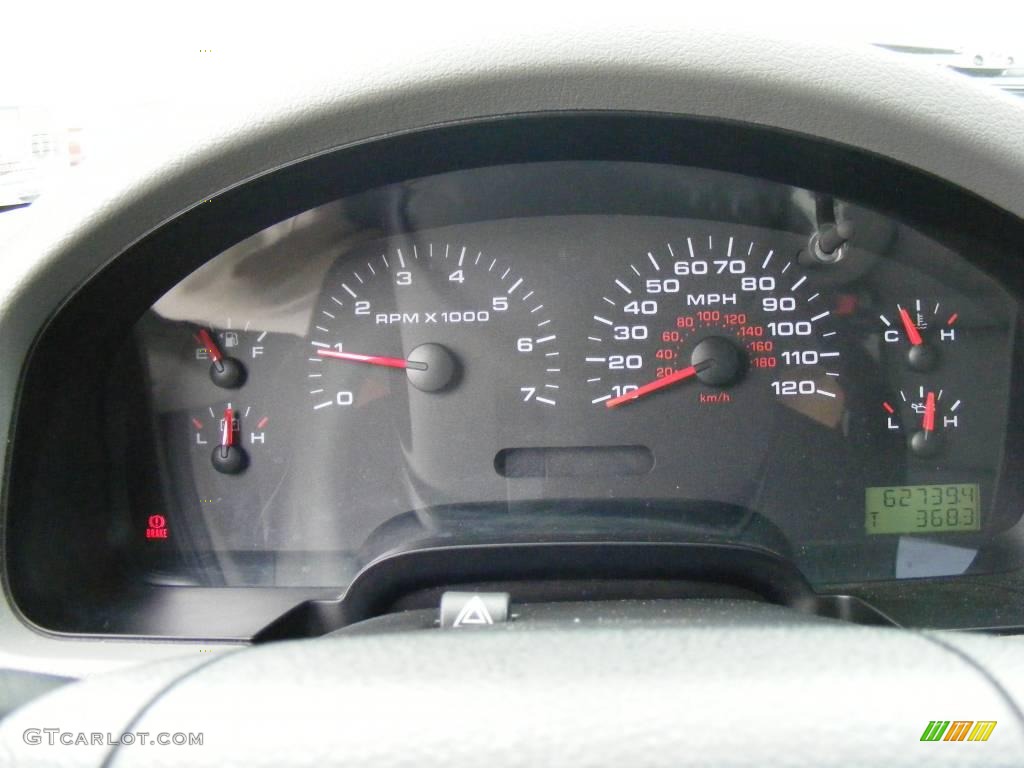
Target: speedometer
[{"x": 710, "y": 312}]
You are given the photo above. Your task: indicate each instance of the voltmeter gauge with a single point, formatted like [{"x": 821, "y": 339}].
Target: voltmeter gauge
[
  {"x": 921, "y": 327},
  {"x": 928, "y": 416}
]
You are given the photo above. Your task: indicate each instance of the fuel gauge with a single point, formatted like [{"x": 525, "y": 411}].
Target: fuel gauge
[
  {"x": 229, "y": 352},
  {"x": 928, "y": 418}
]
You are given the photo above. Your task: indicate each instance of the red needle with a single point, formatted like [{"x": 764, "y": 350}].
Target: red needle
[
  {"x": 387, "y": 362},
  {"x": 653, "y": 386},
  {"x": 227, "y": 438},
  {"x": 929, "y": 413},
  {"x": 912, "y": 333},
  {"x": 206, "y": 339}
]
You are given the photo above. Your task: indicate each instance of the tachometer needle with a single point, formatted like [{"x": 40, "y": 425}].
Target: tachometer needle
[
  {"x": 913, "y": 334},
  {"x": 654, "y": 386},
  {"x": 387, "y": 362},
  {"x": 928, "y": 423}
]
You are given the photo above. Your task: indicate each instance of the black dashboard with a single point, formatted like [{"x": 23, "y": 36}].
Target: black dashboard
[{"x": 583, "y": 345}]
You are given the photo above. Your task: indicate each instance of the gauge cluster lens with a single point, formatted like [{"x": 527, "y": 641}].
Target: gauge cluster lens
[{"x": 528, "y": 355}]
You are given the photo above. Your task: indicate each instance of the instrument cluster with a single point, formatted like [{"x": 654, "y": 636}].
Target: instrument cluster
[{"x": 548, "y": 351}]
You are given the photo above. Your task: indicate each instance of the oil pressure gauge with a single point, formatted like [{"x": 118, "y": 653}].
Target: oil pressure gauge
[
  {"x": 927, "y": 416},
  {"x": 232, "y": 436}
]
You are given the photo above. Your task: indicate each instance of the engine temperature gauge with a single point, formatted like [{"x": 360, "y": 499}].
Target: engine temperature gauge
[
  {"x": 927, "y": 416},
  {"x": 922, "y": 327}
]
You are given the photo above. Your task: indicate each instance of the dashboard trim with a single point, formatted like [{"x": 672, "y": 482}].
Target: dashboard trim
[{"x": 717, "y": 74}]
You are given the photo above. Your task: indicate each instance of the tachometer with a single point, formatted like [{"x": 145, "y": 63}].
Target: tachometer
[
  {"x": 442, "y": 317},
  {"x": 712, "y": 311}
]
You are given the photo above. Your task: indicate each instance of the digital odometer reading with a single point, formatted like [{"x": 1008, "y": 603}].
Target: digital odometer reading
[{"x": 923, "y": 509}]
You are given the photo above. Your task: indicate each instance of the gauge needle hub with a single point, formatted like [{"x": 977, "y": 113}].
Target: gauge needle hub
[
  {"x": 681, "y": 375},
  {"x": 913, "y": 334},
  {"x": 387, "y": 362}
]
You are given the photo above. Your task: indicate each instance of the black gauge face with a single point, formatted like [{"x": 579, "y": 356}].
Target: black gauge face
[{"x": 711, "y": 317}]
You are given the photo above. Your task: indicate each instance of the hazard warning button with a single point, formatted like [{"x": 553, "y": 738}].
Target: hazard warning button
[{"x": 473, "y": 609}]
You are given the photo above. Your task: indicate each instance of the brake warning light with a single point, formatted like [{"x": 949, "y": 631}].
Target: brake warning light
[{"x": 157, "y": 527}]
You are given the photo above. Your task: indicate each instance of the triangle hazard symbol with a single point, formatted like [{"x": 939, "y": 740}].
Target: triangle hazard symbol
[{"x": 473, "y": 612}]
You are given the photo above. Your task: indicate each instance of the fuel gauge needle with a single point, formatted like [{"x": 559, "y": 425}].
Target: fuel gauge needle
[
  {"x": 387, "y": 362},
  {"x": 206, "y": 339},
  {"x": 225, "y": 371}
]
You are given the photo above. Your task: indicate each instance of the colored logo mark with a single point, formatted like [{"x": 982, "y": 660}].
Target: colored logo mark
[{"x": 958, "y": 730}]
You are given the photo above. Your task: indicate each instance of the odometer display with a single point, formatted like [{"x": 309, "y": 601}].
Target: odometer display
[
  {"x": 923, "y": 509},
  {"x": 718, "y": 312}
]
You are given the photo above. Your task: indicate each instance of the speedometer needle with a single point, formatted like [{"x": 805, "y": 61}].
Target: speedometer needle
[
  {"x": 654, "y": 386},
  {"x": 387, "y": 362},
  {"x": 913, "y": 334}
]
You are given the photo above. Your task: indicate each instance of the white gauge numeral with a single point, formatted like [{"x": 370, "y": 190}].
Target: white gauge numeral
[
  {"x": 785, "y": 304},
  {"x": 766, "y": 283},
  {"x": 786, "y": 328},
  {"x": 668, "y": 285},
  {"x": 630, "y": 332},
  {"x": 804, "y": 387},
  {"x": 800, "y": 357},
  {"x": 625, "y": 362},
  {"x": 648, "y": 307}
]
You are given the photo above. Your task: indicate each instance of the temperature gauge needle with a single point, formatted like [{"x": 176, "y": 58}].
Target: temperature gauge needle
[
  {"x": 913, "y": 334},
  {"x": 654, "y": 386},
  {"x": 928, "y": 423},
  {"x": 387, "y": 362}
]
